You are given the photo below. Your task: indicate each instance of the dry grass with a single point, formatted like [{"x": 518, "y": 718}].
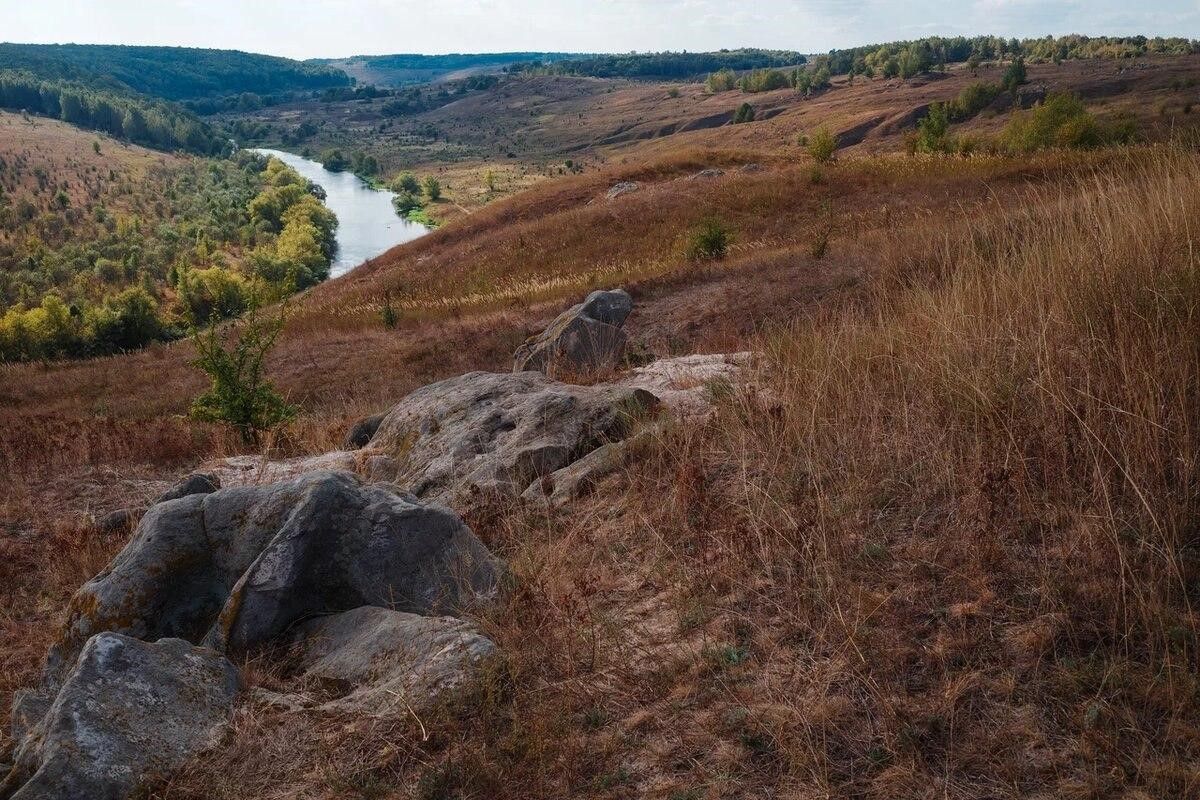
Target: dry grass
[{"x": 945, "y": 548}]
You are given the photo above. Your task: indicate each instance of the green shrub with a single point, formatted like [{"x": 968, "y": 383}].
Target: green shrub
[
  {"x": 745, "y": 113},
  {"x": 822, "y": 145},
  {"x": 1063, "y": 121},
  {"x": 240, "y": 394},
  {"x": 405, "y": 182},
  {"x": 709, "y": 240},
  {"x": 723, "y": 80},
  {"x": 933, "y": 131},
  {"x": 433, "y": 188},
  {"x": 1015, "y": 75}
]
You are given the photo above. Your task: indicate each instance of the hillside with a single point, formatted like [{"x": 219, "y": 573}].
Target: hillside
[
  {"x": 170, "y": 73},
  {"x": 935, "y": 538},
  {"x": 106, "y": 246},
  {"x": 402, "y": 69}
]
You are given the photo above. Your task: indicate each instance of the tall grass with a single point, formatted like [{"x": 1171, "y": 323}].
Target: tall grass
[{"x": 974, "y": 494}]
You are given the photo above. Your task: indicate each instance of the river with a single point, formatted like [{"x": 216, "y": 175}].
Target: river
[{"x": 367, "y": 223}]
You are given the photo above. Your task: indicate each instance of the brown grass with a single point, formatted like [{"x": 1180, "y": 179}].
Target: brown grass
[{"x": 945, "y": 548}]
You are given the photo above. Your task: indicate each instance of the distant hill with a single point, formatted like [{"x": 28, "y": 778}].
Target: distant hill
[
  {"x": 170, "y": 73},
  {"x": 670, "y": 64},
  {"x": 403, "y": 69}
]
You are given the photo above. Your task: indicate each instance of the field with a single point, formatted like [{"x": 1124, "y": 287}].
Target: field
[{"x": 944, "y": 546}]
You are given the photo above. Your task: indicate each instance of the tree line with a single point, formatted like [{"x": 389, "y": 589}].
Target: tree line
[
  {"x": 136, "y": 119},
  {"x": 665, "y": 64}
]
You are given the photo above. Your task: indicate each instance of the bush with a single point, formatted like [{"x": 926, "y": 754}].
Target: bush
[
  {"x": 1063, "y": 121},
  {"x": 240, "y": 394},
  {"x": 406, "y": 202},
  {"x": 973, "y": 99},
  {"x": 709, "y": 240},
  {"x": 433, "y": 188},
  {"x": 405, "y": 182},
  {"x": 1015, "y": 75},
  {"x": 764, "y": 80},
  {"x": 745, "y": 113},
  {"x": 933, "y": 131},
  {"x": 822, "y": 145},
  {"x": 722, "y": 80}
]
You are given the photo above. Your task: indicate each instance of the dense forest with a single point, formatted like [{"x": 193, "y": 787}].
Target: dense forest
[
  {"x": 171, "y": 73},
  {"x": 99, "y": 262},
  {"x": 908, "y": 58},
  {"x": 665, "y": 65},
  {"x": 122, "y": 114}
]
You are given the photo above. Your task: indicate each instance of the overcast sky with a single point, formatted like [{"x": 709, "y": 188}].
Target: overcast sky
[{"x": 328, "y": 28}]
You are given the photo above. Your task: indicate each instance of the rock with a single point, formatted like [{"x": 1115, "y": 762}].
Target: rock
[
  {"x": 257, "y": 471},
  {"x": 128, "y": 712},
  {"x": 574, "y": 480},
  {"x": 689, "y": 385},
  {"x": 119, "y": 521},
  {"x": 584, "y": 338},
  {"x": 196, "y": 483},
  {"x": 750, "y": 169},
  {"x": 610, "y": 307},
  {"x": 237, "y": 567},
  {"x": 360, "y": 433},
  {"x": 492, "y": 434},
  {"x": 624, "y": 187},
  {"x": 383, "y": 662},
  {"x": 705, "y": 174}
]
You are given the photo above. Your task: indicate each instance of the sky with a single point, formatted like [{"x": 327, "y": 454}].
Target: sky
[{"x": 334, "y": 28}]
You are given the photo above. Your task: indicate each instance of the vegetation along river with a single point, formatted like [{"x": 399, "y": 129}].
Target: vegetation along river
[{"x": 367, "y": 223}]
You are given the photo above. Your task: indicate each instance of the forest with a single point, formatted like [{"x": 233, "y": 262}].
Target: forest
[
  {"x": 195, "y": 241},
  {"x": 171, "y": 73},
  {"x": 125, "y": 115},
  {"x": 665, "y": 64}
]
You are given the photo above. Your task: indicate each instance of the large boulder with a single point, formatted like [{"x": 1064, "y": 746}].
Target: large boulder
[
  {"x": 492, "y": 434},
  {"x": 196, "y": 483},
  {"x": 583, "y": 338},
  {"x": 360, "y": 433},
  {"x": 237, "y": 567},
  {"x": 380, "y": 662},
  {"x": 127, "y": 712}
]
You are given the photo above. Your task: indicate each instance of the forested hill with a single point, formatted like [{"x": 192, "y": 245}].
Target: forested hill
[
  {"x": 171, "y": 73},
  {"x": 666, "y": 64},
  {"x": 402, "y": 69}
]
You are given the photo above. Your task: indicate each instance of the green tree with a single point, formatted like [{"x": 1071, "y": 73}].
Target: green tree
[
  {"x": 433, "y": 188},
  {"x": 241, "y": 394},
  {"x": 709, "y": 240},
  {"x": 745, "y": 113},
  {"x": 822, "y": 145},
  {"x": 406, "y": 182},
  {"x": 1015, "y": 75}
]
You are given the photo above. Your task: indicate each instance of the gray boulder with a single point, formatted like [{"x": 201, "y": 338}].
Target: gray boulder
[
  {"x": 360, "y": 433},
  {"x": 128, "y": 712},
  {"x": 237, "y": 567},
  {"x": 492, "y": 434},
  {"x": 622, "y": 188},
  {"x": 381, "y": 662},
  {"x": 562, "y": 486},
  {"x": 583, "y": 338},
  {"x": 196, "y": 483}
]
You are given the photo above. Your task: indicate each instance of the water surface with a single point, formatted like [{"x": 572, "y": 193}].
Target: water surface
[{"x": 367, "y": 223}]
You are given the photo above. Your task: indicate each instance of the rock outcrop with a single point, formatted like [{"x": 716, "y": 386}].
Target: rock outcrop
[
  {"x": 361, "y": 432},
  {"x": 196, "y": 483},
  {"x": 127, "y": 711},
  {"x": 583, "y": 338},
  {"x": 492, "y": 434},
  {"x": 381, "y": 662},
  {"x": 237, "y": 567}
]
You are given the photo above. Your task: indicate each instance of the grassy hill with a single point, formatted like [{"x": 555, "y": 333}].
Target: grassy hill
[
  {"x": 945, "y": 545},
  {"x": 405, "y": 69},
  {"x": 170, "y": 73}
]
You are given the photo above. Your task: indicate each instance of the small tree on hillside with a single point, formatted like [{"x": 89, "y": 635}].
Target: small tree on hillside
[
  {"x": 241, "y": 395},
  {"x": 1015, "y": 75},
  {"x": 745, "y": 113},
  {"x": 433, "y": 188},
  {"x": 822, "y": 145}
]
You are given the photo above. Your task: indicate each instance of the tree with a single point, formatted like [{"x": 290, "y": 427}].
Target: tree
[
  {"x": 822, "y": 145},
  {"x": 433, "y": 188},
  {"x": 240, "y": 394},
  {"x": 745, "y": 113},
  {"x": 406, "y": 182},
  {"x": 1015, "y": 75}
]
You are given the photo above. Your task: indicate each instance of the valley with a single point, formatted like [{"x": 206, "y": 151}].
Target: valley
[{"x": 911, "y": 512}]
